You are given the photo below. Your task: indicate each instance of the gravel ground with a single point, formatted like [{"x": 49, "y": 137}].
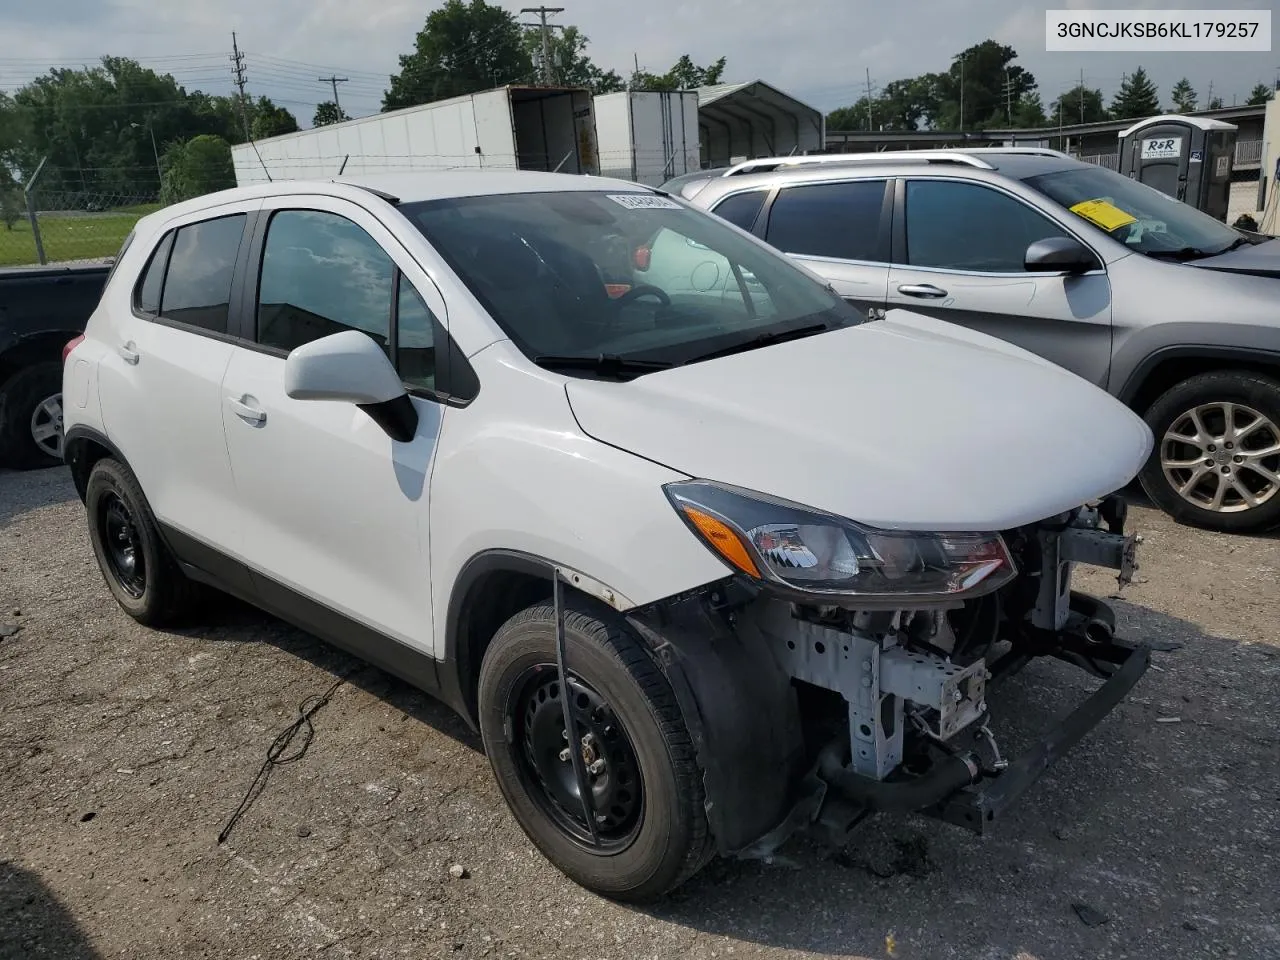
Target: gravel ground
[{"x": 124, "y": 751}]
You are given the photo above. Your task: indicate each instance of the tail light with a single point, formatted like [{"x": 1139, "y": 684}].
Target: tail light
[
  {"x": 71, "y": 345},
  {"x": 642, "y": 257}
]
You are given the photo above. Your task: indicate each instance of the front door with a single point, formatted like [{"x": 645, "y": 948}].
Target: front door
[
  {"x": 335, "y": 511},
  {"x": 962, "y": 260}
]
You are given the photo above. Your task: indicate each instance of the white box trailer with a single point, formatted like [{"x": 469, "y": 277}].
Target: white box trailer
[
  {"x": 647, "y": 137},
  {"x": 525, "y": 128}
]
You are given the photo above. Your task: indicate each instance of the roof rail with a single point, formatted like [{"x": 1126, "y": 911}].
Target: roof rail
[
  {"x": 766, "y": 164},
  {"x": 1025, "y": 151}
]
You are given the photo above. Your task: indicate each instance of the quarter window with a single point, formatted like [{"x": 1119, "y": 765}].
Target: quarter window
[
  {"x": 197, "y": 286},
  {"x": 963, "y": 226},
  {"x": 417, "y": 334},
  {"x": 741, "y": 209},
  {"x": 322, "y": 274},
  {"x": 838, "y": 220},
  {"x": 147, "y": 297}
]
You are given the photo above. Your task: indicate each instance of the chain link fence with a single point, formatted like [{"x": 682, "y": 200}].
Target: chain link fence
[{"x": 65, "y": 224}]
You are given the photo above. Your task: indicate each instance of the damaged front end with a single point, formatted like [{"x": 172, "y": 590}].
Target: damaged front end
[{"x": 814, "y": 710}]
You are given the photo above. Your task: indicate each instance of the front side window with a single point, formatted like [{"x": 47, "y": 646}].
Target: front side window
[
  {"x": 631, "y": 276},
  {"x": 837, "y": 220},
  {"x": 1139, "y": 216},
  {"x": 197, "y": 286},
  {"x": 965, "y": 226},
  {"x": 322, "y": 274}
]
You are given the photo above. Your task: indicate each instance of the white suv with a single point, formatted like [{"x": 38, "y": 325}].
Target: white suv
[{"x": 703, "y": 565}]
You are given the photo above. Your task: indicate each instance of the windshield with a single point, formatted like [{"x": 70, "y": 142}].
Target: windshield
[
  {"x": 1139, "y": 216},
  {"x": 629, "y": 276}
]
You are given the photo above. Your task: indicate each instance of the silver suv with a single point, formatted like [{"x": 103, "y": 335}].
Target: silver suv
[{"x": 1165, "y": 307}]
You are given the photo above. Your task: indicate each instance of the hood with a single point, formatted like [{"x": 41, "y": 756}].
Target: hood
[
  {"x": 905, "y": 422},
  {"x": 1257, "y": 259}
]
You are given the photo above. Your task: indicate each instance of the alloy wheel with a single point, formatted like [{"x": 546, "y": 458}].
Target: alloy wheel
[
  {"x": 541, "y": 750},
  {"x": 1222, "y": 457},
  {"x": 46, "y": 426}
]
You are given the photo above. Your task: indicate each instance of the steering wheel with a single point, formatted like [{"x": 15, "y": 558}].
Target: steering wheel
[{"x": 644, "y": 290}]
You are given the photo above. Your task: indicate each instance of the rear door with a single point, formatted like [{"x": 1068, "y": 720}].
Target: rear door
[
  {"x": 160, "y": 377},
  {"x": 959, "y": 252},
  {"x": 839, "y": 230}
]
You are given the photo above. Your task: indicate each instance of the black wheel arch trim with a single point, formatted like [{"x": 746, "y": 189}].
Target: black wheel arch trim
[
  {"x": 71, "y": 445},
  {"x": 1138, "y": 378}
]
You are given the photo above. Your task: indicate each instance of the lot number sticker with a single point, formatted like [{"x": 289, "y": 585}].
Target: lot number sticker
[
  {"x": 1224, "y": 166},
  {"x": 1103, "y": 214},
  {"x": 643, "y": 201},
  {"x": 1161, "y": 148}
]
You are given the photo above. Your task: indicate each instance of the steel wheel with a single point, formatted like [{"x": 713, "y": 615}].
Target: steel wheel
[
  {"x": 123, "y": 546},
  {"x": 46, "y": 426},
  {"x": 546, "y": 766},
  {"x": 1223, "y": 457}
]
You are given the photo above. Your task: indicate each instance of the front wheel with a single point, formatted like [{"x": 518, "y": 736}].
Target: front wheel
[
  {"x": 1216, "y": 462},
  {"x": 645, "y": 788}
]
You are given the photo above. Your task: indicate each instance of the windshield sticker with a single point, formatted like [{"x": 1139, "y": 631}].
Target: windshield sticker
[
  {"x": 643, "y": 201},
  {"x": 1103, "y": 214}
]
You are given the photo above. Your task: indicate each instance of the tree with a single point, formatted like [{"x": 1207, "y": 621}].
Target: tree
[
  {"x": 1137, "y": 97},
  {"x": 1184, "y": 97},
  {"x": 684, "y": 75},
  {"x": 1028, "y": 112},
  {"x": 268, "y": 120},
  {"x": 464, "y": 47},
  {"x": 200, "y": 165},
  {"x": 1070, "y": 105},
  {"x": 570, "y": 65},
  {"x": 1259, "y": 94},
  {"x": 1215, "y": 103},
  {"x": 979, "y": 88},
  {"x": 11, "y": 200},
  {"x": 327, "y": 113}
]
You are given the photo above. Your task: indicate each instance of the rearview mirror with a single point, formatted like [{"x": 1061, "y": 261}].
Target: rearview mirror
[
  {"x": 350, "y": 367},
  {"x": 1059, "y": 255}
]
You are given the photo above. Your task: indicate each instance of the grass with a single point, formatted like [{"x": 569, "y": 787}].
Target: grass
[{"x": 71, "y": 236}]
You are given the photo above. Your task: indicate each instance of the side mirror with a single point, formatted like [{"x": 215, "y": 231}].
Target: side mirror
[
  {"x": 350, "y": 367},
  {"x": 1059, "y": 255}
]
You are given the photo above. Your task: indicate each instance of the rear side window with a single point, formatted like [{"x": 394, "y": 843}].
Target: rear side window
[
  {"x": 741, "y": 209},
  {"x": 146, "y": 297},
  {"x": 322, "y": 274},
  {"x": 197, "y": 286},
  {"x": 837, "y": 220}
]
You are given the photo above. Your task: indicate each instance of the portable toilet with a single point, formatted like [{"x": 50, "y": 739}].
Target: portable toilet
[{"x": 1188, "y": 158}]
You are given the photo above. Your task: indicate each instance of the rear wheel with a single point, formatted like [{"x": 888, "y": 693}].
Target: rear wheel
[
  {"x": 645, "y": 788},
  {"x": 135, "y": 563},
  {"x": 31, "y": 417},
  {"x": 1216, "y": 462}
]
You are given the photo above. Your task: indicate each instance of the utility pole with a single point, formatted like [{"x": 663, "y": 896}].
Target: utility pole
[
  {"x": 871, "y": 124},
  {"x": 1082, "y": 96},
  {"x": 542, "y": 13},
  {"x": 1209, "y": 99},
  {"x": 962, "y": 93},
  {"x": 237, "y": 71},
  {"x": 1008, "y": 96},
  {"x": 334, "y": 81}
]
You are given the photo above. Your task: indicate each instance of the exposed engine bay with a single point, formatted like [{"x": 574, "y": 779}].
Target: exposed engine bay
[{"x": 892, "y": 704}]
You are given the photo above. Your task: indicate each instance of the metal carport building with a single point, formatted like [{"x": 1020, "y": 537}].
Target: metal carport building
[{"x": 741, "y": 121}]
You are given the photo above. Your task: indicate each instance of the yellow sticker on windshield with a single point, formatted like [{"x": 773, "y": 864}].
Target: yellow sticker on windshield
[{"x": 1103, "y": 214}]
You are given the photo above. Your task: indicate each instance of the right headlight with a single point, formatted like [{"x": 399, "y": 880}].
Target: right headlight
[{"x": 801, "y": 551}]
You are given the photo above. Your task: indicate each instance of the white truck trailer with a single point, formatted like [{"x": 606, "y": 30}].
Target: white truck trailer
[
  {"x": 525, "y": 128},
  {"x": 647, "y": 137}
]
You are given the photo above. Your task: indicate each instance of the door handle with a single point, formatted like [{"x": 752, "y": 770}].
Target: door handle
[
  {"x": 246, "y": 412},
  {"x": 129, "y": 354},
  {"x": 925, "y": 290}
]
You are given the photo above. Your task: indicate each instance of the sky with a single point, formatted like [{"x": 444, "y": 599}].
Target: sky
[{"x": 819, "y": 51}]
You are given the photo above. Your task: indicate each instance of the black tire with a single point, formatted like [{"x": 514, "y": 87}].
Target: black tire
[
  {"x": 20, "y": 395},
  {"x": 1259, "y": 393},
  {"x": 161, "y": 594},
  {"x": 669, "y": 840}
]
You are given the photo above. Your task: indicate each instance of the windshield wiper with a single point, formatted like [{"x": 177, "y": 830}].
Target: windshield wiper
[
  {"x": 763, "y": 340},
  {"x": 606, "y": 364},
  {"x": 1183, "y": 253},
  {"x": 1235, "y": 244}
]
